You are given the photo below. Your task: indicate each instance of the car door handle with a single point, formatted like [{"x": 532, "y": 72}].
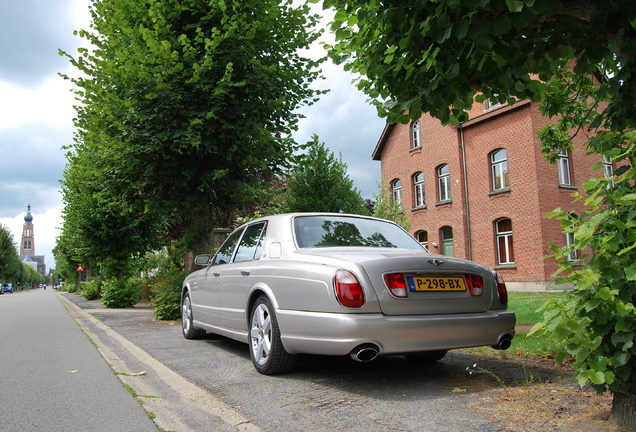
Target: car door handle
[{"x": 245, "y": 272}]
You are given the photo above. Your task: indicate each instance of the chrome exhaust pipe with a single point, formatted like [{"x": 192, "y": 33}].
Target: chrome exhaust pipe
[
  {"x": 364, "y": 353},
  {"x": 504, "y": 343}
]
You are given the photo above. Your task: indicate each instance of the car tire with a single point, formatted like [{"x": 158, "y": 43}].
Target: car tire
[
  {"x": 266, "y": 349},
  {"x": 426, "y": 357},
  {"x": 187, "y": 321}
]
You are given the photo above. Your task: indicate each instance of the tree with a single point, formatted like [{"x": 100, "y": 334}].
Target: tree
[
  {"x": 187, "y": 105},
  {"x": 579, "y": 59},
  {"x": 386, "y": 208},
  {"x": 436, "y": 56},
  {"x": 9, "y": 260},
  {"x": 319, "y": 182},
  {"x": 100, "y": 231}
]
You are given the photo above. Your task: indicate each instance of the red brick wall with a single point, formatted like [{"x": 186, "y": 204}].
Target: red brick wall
[{"x": 534, "y": 186}]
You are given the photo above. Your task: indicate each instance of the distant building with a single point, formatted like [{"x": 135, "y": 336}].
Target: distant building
[
  {"x": 481, "y": 190},
  {"x": 27, "y": 246}
]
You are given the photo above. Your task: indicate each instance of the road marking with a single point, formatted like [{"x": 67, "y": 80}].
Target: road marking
[{"x": 167, "y": 417}]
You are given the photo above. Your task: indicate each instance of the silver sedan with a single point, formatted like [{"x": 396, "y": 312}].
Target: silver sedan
[{"x": 335, "y": 284}]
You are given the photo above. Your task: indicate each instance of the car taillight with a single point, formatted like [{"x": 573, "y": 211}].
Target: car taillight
[
  {"x": 501, "y": 288},
  {"x": 348, "y": 289},
  {"x": 396, "y": 284},
  {"x": 475, "y": 284}
]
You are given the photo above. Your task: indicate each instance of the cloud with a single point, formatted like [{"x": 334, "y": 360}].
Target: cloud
[
  {"x": 347, "y": 124},
  {"x": 31, "y": 32}
]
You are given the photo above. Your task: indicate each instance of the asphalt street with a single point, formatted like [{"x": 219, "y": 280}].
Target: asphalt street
[{"x": 51, "y": 376}]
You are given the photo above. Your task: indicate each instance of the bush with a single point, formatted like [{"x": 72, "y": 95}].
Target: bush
[
  {"x": 166, "y": 296},
  {"x": 120, "y": 293},
  {"x": 90, "y": 289}
]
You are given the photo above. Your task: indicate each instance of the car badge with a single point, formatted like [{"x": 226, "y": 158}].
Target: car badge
[{"x": 436, "y": 262}]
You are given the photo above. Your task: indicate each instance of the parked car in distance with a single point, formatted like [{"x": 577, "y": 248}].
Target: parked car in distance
[
  {"x": 336, "y": 284},
  {"x": 7, "y": 287}
]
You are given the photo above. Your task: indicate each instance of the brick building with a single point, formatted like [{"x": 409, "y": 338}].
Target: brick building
[{"x": 480, "y": 190}]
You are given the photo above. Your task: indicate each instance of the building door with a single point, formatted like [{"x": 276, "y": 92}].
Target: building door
[{"x": 447, "y": 241}]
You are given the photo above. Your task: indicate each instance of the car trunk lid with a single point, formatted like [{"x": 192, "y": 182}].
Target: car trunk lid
[{"x": 435, "y": 284}]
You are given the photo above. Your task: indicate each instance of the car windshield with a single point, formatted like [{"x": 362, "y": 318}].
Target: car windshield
[{"x": 326, "y": 231}]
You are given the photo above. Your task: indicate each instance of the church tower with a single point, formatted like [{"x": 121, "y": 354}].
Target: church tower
[{"x": 27, "y": 246}]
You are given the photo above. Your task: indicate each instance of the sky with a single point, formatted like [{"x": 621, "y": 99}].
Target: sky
[{"x": 36, "y": 116}]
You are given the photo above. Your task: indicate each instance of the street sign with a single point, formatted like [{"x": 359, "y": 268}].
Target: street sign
[{"x": 79, "y": 268}]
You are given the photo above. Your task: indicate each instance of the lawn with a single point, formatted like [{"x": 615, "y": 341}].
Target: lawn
[{"x": 525, "y": 305}]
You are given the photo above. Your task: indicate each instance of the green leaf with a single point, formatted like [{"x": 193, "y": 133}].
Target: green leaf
[
  {"x": 598, "y": 363},
  {"x": 625, "y": 308},
  {"x": 624, "y": 325},
  {"x": 514, "y": 5},
  {"x": 596, "y": 377},
  {"x": 582, "y": 354},
  {"x": 620, "y": 358},
  {"x": 606, "y": 294}
]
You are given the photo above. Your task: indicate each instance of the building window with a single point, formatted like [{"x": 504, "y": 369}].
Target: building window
[
  {"x": 499, "y": 169},
  {"x": 608, "y": 170},
  {"x": 492, "y": 103},
  {"x": 418, "y": 190},
  {"x": 415, "y": 134},
  {"x": 505, "y": 250},
  {"x": 569, "y": 243},
  {"x": 396, "y": 191},
  {"x": 563, "y": 164},
  {"x": 443, "y": 182},
  {"x": 422, "y": 237},
  {"x": 573, "y": 254},
  {"x": 446, "y": 234}
]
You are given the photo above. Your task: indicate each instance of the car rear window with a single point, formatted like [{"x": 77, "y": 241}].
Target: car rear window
[{"x": 329, "y": 231}]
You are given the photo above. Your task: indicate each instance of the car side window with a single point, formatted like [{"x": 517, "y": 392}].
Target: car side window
[
  {"x": 251, "y": 246},
  {"x": 224, "y": 255}
]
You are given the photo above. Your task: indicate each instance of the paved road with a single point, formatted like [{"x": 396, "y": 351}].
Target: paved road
[{"x": 51, "y": 376}]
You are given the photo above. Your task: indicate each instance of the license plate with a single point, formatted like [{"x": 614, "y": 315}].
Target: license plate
[{"x": 436, "y": 283}]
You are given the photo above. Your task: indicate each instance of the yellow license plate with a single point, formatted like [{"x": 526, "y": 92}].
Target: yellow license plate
[{"x": 437, "y": 284}]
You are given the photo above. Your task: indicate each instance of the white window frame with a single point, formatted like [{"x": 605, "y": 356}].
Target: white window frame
[
  {"x": 608, "y": 170},
  {"x": 419, "y": 197},
  {"x": 563, "y": 164},
  {"x": 396, "y": 191},
  {"x": 418, "y": 236},
  {"x": 443, "y": 182},
  {"x": 416, "y": 137},
  {"x": 573, "y": 255},
  {"x": 506, "y": 256},
  {"x": 499, "y": 169},
  {"x": 492, "y": 103}
]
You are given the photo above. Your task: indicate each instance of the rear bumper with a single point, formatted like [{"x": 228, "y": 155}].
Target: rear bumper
[{"x": 338, "y": 334}]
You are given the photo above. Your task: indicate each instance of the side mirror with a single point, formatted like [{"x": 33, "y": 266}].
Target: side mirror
[{"x": 202, "y": 260}]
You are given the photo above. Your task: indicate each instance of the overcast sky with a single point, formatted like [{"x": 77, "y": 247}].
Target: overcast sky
[{"x": 36, "y": 116}]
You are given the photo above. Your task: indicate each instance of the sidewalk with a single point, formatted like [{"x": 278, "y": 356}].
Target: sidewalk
[{"x": 175, "y": 403}]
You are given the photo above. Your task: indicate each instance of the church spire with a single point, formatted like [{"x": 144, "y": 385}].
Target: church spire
[
  {"x": 28, "y": 219},
  {"x": 27, "y": 245}
]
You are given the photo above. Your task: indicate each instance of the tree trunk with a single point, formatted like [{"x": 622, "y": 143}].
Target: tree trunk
[{"x": 624, "y": 408}]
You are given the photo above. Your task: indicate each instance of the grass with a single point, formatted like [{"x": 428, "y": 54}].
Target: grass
[{"x": 525, "y": 305}]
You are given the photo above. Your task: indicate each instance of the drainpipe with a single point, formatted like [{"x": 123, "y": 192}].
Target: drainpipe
[{"x": 469, "y": 240}]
